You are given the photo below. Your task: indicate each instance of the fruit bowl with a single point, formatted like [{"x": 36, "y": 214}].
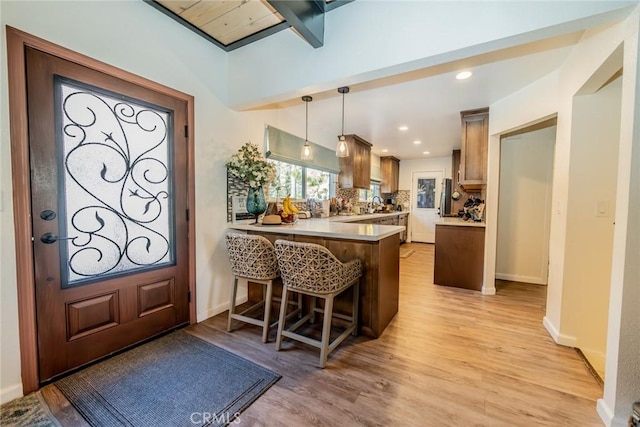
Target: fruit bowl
[{"x": 290, "y": 219}]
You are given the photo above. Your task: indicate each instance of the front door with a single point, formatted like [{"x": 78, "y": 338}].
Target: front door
[
  {"x": 109, "y": 202},
  {"x": 424, "y": 209}
]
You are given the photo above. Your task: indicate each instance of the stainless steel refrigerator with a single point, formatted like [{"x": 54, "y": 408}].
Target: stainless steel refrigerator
[{"x": 445, "y": 197}]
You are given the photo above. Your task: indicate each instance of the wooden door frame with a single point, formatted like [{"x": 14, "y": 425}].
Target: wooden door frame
[{"x": 17, "y": 41}]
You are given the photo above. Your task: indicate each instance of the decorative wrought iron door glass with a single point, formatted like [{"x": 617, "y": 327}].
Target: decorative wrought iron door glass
[
  {"x": 116, "y": 184},
  {"x": 426, "y": 193}
]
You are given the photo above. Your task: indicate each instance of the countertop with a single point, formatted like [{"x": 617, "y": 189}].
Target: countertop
[
  {"x": 459, "y": 222},
  {"x": 330, "y": 227},
  {"x": 353, "y": 218}
]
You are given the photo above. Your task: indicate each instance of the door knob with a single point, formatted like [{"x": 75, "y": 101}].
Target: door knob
[{"x": 49, "y": 238}]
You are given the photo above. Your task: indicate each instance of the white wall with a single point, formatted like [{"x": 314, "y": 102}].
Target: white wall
[
  {"x": 137, "y": 38},
  {"x": 622, "y": 383},
  {"x": 543, "y": 99},
  {"x": 365, "y": 40},
  {"x": 589, "y": 245},
  {"x": 524, "y": 211},
  {"x": 407, "y": 167}
]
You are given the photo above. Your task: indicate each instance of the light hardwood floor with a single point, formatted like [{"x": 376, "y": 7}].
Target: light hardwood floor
[{"x": 451, "y": 357}]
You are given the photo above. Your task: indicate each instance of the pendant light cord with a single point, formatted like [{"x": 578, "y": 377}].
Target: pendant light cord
[
  {"x": 342, "y": 113},
  {"x": 306, "y": 121}
]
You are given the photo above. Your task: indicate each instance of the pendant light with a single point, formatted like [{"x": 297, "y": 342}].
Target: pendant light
[
  {"x": 342, "y": 150},
  {"x": 307, "y": 152}
]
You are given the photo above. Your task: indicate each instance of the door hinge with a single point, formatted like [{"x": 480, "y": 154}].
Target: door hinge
[
  {"x": 189, "y": 295},
  {"x": 187, "y": 214},
  {"x": 186, "y": 131}
]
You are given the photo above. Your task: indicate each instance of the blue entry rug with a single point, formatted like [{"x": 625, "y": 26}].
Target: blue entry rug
[{"x": 176, "y": 380}]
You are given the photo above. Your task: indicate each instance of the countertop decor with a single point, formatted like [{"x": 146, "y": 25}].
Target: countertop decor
[{"x": 251, "y": 167}]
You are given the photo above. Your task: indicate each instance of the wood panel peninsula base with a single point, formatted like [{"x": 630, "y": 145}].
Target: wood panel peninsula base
[
  {"x": 377, "y": 246},
  {"x": 459, "y": 254}
]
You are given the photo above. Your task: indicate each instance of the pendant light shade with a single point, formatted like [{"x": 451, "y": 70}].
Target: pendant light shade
[
  {"x": 342, "y": 150},
  {"x": 307, "y": 152}
]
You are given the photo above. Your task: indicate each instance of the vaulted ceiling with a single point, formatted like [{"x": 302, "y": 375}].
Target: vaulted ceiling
[
  {"x": 231, "y": 24},
  {"x": 426, "y": 100}
]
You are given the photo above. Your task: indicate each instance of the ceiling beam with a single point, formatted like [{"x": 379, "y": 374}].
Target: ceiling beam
[{"x": 306, "y": 16}]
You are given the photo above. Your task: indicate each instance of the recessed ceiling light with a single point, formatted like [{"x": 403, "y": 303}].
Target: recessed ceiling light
[
  {"x": 403, "y": 128},
  {"x": 385, "y": 150},
  {"x": 417, "y": 142},
  {"x": 463, "y": 75},
  {"x": 425, "y": 152}
]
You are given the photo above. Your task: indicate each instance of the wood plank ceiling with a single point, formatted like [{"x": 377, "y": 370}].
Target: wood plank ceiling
[
  {"x": 234, "y": 23},
  {"x": 226, "y": 21}
]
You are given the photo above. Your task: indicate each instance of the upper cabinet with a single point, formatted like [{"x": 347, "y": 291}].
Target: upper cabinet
[
  {"x": 473, "y": 150},
  {"x": 355, "y": 170},
  {"x": 390, "y": 168}
]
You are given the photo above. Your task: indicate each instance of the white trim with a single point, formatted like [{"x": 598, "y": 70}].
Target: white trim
[
  {"x": 524, "y": 279},
  {"x": 488, "y": 290},
  {"x": 12, "y": 392},
  {"x": 213, "y": 311},
  {"x": 607, "y": 416},
  {"x": 559, "y": 338},
  {"x": 605, "y": 413}
]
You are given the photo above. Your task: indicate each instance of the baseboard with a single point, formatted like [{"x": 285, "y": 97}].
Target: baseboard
[
  {"x": 559, "y": 338},
  {"x": 9, "y": 393},
  {"x": 607, "y": 416},
  {"x": 213, "y": 311},
  {"x": 523, "y": 279}
]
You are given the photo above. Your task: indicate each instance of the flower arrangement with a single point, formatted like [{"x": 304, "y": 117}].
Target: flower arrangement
[{"x": 250, "y": 167}]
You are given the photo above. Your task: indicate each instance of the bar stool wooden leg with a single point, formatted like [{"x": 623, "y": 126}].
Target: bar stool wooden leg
[
  {"x": 267, "y": 311},
  {"x": 326, "y": 330},
  {"x": 232, "y": 302},
  {"x": 282, "y": 318}
]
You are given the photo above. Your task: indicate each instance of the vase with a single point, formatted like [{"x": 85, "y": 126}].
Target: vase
[{"x": 256, "y": 203}]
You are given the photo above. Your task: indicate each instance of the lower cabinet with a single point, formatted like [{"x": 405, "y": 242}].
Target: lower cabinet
[
  {"x": 401, "y": 219},
  {"x": 459, "y": 256},
  {"x": 379, "y": 285}
]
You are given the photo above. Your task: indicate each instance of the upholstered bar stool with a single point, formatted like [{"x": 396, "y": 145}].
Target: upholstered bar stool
[
  {"x": 311, "y": 269},
  {"x": 253, "y": 258}
]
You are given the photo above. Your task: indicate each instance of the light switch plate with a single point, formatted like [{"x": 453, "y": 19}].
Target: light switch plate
[{"x": 602, "y": 208}]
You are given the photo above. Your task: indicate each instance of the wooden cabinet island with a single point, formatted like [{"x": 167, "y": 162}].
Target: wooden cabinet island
[{"x": 377, "y": 246}]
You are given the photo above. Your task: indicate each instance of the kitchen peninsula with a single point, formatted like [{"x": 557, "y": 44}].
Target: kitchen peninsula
[
  {"x": 459, "y": 253},
  {"x": 377, "y": 246}
]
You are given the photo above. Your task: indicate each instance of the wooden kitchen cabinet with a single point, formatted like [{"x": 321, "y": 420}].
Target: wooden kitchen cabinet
[
  {"x": 355, "y": 170},
  {"x": 403, "y": 220},
  {"x": 459, "y": 256},
  {"x": 389, "y": 219},
  {"x": 390, "y": 168},
  {"x": 474, "y": 148}
]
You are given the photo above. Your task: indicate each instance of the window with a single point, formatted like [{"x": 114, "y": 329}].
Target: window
[
  {"x": 368, "y": 195},
  {"x": 301, "y": 182}
]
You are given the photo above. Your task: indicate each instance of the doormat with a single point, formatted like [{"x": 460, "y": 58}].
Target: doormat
[
  {"x": 30, "y": 410},
  {"x": 174, "y": 380},
  {"x": 406, "y": 253}
]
